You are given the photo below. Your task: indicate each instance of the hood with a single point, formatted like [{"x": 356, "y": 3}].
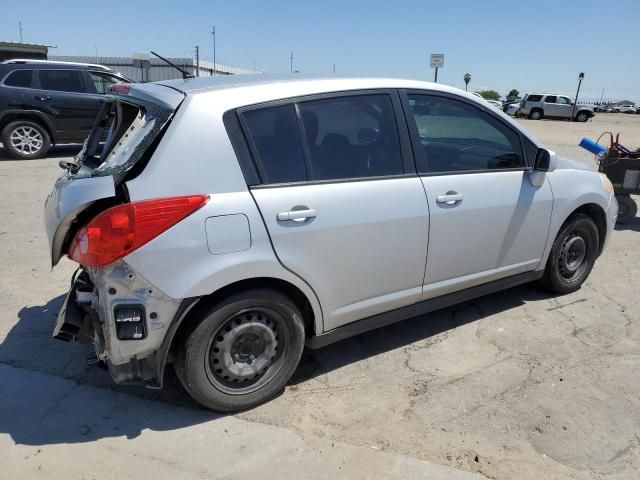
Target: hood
[{"x": 567, "y": 164}]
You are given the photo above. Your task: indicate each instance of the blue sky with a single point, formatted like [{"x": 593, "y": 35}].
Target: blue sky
[{"x": 540, "y": 45}]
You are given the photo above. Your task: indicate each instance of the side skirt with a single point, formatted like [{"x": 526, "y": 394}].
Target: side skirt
[{"x": 426, "y": 306}]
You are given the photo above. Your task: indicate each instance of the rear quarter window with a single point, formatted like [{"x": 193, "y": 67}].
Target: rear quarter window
[{"x": 19, "y": 78}]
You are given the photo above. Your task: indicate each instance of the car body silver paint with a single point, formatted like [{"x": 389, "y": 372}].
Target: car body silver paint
[
  {"x": 195, "y": 156},
  {"x": 69, "y": 197},
  {"x": 363, "y": 253},
  {"x": 497, "y": 229}
]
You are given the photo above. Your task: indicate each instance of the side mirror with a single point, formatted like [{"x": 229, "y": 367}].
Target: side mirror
[{"x": 542, "y": 161}]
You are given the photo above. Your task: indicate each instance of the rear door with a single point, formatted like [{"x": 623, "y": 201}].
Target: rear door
[
  {"x": 551, "y": 106},
  {"x": 68, "y": 99},
  {"x": 489, "y": 212},
  {"x": 341, "y": 200}
]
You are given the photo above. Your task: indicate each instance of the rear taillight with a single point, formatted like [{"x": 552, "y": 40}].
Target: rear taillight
[{"x": 120, "y": 230}]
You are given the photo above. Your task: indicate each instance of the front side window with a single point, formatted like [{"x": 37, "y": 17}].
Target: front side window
[
  {"x": 351, "y": 137},
  {"x": 457, "y": 137},
  {"x": 62, "y": 80},
  {"x": 551, "y": 99},
  {"x": 564, "y": 101},
  {"x": 19, "y": 78},
  {"x": 276, "y": 140},
  {"x": 103, "y": 81}
]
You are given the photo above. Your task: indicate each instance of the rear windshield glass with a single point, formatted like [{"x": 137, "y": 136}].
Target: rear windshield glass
[{"x": 121, "y": 136}]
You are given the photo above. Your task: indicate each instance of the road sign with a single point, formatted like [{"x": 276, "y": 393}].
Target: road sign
[{"x": 437, "y": 60}]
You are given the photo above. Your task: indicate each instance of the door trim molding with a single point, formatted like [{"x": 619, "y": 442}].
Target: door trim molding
[{"x": 420, "y": 308}]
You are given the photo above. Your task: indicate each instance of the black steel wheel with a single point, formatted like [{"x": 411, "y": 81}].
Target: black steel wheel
[
  {"x": 627, "y": 209},
  {"x": 572, "y": 255},
  {"x": 242, "y": 351}
]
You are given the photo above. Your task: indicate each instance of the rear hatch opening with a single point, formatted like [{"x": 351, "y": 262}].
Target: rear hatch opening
[{"x": 124, "y": 137}]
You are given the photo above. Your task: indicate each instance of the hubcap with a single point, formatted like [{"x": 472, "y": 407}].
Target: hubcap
[
  {"x": 243, "y": 351},
  {"x": 572, "y": 256},
  {"x": 26, "y": 140}
]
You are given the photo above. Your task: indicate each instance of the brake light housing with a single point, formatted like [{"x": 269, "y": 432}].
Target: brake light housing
[
  {"x": 121, "y": 87},
  {"x": 118, "y": 231}
]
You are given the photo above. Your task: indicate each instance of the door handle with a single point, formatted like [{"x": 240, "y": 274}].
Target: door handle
[
  {"x": 296, "y": 215},
  {"x": 43, "y": 98},
  {"x": 451, "y": 198}
]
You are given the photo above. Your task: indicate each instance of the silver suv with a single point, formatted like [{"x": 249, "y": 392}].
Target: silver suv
[
  {"x": 229, "y": 222},
  {"x": 537, "y": 106}
]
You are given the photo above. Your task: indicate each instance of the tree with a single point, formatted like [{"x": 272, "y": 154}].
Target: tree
[
  {"x": 467, "y": 79},
  {"x": 513, "y": 95},
  {"x": 489, "y": 94}
]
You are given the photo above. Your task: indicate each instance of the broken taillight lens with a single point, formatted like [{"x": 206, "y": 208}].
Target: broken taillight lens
[{"x": 120, "y": 230}]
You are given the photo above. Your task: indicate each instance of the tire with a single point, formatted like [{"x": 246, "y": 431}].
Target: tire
[
  {"x": 242, "y": 351},
  {"x": 627, "y": 209},
  {"x": 535, "y": 114},
  {"x": 582, "y": 117},
  {"x": 25, "y": 140},
  {"x": 573, "y": 253}
]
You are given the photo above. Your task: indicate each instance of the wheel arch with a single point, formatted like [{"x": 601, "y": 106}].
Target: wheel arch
[
  {"x": 193, "y": 307},
  {"x": 30, "y": 115},
  {"x": 599, "y": 217}
]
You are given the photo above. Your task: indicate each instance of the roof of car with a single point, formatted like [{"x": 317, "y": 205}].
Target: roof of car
[
  {"x": 17, "y": 63},
  {"x": 317, "y": 83}
]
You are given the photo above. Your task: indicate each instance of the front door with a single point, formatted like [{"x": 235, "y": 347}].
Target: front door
[
  {"x": 342, "y": 209},
  {"x": 489, "y": 212}
]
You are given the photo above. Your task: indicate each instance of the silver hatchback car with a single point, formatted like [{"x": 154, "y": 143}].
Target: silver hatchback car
[{"x": 228, "y": 222}]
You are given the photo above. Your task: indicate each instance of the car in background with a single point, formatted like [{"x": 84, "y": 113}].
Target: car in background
[
  {"x": 513, "y": 109},
  {"x": 45, "y": 103},
  {"x": 627, "y": 109},
  {"x": 543, "y": 105},
  {"x": 495, "y": 103},
  {"x": 228, "y": 223}
]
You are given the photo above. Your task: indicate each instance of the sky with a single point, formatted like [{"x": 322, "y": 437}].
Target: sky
[{"x": 530, "y": 46}]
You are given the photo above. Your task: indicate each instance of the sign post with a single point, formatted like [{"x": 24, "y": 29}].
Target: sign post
[{"x": 437, "y": 61}]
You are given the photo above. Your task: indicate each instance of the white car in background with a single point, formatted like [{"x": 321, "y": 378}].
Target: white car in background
[
  {"x": 627, "y": 109},
  {"x": 512, "y": 109},
  {"x": 495, "y": 103}
]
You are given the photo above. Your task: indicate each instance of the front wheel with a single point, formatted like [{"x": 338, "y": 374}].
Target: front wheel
[
  {"x": 242, "y": 351},
  {"x": 572, "y": 255}
]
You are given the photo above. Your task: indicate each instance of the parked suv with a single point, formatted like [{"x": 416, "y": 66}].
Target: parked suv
[
  {"x": 44, "y": 103},
  {"x": 537, "y": 106},
  {"x": 626, "y": 109},
  {"x": 229, "y": 222}
]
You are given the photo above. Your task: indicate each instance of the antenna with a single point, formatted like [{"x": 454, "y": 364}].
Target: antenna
[{"x": 185, "y": 74}]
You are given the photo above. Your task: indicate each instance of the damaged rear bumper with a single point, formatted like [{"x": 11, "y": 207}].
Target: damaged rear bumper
[{"x": 128, "y": 330}]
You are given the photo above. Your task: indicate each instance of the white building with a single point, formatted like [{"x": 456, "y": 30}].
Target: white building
[{"x": 155, "y": 69}]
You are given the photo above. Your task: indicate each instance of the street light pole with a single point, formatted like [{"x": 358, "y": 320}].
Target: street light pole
[{"x": 573, "y": 110}]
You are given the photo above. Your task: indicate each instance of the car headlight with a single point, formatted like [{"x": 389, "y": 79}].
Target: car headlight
[{"x": 606, "y": 183}]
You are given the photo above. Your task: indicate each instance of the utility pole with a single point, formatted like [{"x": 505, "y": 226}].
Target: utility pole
[
  {"x": 197, "y": 61},
  {"x": 96, "y": 47},
  {"x": 334, "y": 68},
  {"x": 601, "y": 96},
  {"x": 213, "y": 34},
  {"x": 20, "y": 27},
  {"x": 291, "y": 61},
  {"x": 573, "y": 109}
]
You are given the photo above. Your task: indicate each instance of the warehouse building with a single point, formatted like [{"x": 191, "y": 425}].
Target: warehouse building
[{"x": 143, "y": 68}]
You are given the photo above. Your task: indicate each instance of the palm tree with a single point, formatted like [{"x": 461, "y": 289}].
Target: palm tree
[{"x": 467, "y": 79}]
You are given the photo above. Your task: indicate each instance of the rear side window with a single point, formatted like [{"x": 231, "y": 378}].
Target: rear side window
[
  {"x": 276, "y": 140},
  {"x": 62, "y": 80},
  {"x": 534, "y": 98},
  {"x": 19, "y": 78},
  {"x": 351, "y": 137}
]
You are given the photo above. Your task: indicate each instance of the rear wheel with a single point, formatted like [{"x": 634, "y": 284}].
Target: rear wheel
[
  {"x": 572, "y": 255},
  {"x": 627, "y": 209},
  {"x": 25, "y": 139},
  {"x": 242, "y": 351},
  {"x": 535, "y": 114},
  {"x": 582, "y": 117}
]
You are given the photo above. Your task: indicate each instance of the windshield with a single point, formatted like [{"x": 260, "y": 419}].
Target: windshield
[{"x": 121, "y": 136}]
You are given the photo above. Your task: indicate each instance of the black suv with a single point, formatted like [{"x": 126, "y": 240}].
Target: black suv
[{"x": 43, "y": 103}]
